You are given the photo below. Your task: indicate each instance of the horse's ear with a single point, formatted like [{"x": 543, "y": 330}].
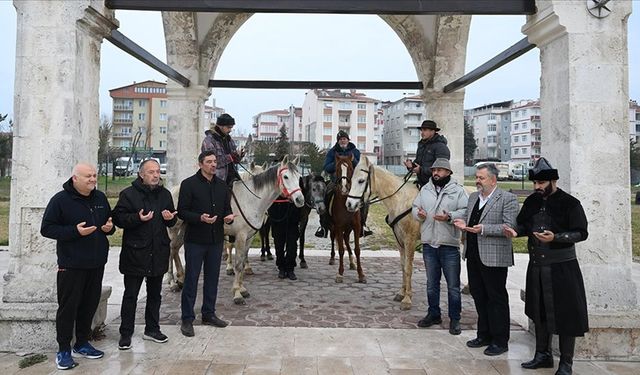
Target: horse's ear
[
  {"x": 296, "y": 161},
  {"x": 285, "y": 160},
  {"x": 252, "y": 166},
  {"x": 264, "y": 166}
]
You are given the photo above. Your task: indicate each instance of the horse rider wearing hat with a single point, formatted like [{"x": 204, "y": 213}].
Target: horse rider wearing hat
[
  {"x": 431, "y": 147},
  {"x": 553, "y": 221},
  {"x": 441, "y": 201},
  {"x": 343, "y": 147},
  {"x": 224, "y": 147}
]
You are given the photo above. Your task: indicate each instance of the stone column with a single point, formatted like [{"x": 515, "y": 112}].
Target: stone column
[
  {"x": 447, "y": 110},
  {"x": 56, "y": 125},
  {"x": 185, "y": 132},
  {"x": 584, "y": 100}
]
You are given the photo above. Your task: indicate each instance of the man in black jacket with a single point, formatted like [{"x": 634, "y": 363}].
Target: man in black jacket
[
  {"x": 78, "y": 218},
  {"x": 556, "y": 301},
  {"x": 431, "y": 147},
  {"x": 203, "y": 200},
  {"x": 144, "y": 211}
]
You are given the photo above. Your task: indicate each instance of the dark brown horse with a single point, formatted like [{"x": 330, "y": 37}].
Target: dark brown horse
[{"x": 342, "y": 221}]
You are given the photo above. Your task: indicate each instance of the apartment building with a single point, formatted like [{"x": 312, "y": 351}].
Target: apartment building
[
  {"x": 525, "y": 132},
  {"x": 140, "y": 117},
  {"x": 267, "y": 124},
  {"x": 634, "y": 121},
  {"x": 400, "y": 134},
  {"x": 325, "y": 112},
  {"x": 491, "y": 124},
  {"x": 211, "y": 114}
]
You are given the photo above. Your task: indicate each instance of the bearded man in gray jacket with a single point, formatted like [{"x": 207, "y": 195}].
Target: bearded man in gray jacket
[{"x": 441, "y": 201}]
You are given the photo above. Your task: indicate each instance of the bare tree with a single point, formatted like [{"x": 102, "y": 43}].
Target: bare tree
[{"x": 6, "y": 146}]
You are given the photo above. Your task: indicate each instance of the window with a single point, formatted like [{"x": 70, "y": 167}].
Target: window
[
  {"x": 327, "y": 131},
  {"x": 524, "y": 138},
  {"x": 516, "y": 126},
  {"x": 142, "y": 103},
  {"x": 524, "y": 150},
  {"x": 362, "y": 119},
  {"x": 491, "y": 127},
  {"x": 163, "y": 116},
  {"x": 327, "y": 118},
  {"x": 328, "y": 104},
  {"x": 362, "y": 132},
  {"x": 516, "y": 151},
  {"x": 362, "y": 145},
  {"x": 345, "y": 105},
  {"x": 162, "y": 144},
  {"x": 142, "y": 116},
  {"x": 516, "y": 139},
  {"x": 362, "y": 105},
  {"x": 524, "y": 125},
  {"x": 163, "y": 130},
  {"x": 163, "y": 104},
  {"x": 492, "y": 116}
]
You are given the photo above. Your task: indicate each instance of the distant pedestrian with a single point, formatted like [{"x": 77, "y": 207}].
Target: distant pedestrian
[
  {"x": 78, "y": 218},
  {"x": 144, "y": 211}
]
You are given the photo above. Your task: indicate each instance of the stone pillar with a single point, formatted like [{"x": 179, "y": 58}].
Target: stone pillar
[
  {"x": 56, "y": 125},
  {"x": 584, "y": 100},
  {"x": 447, "y": 110},
  {"x": 185, "y": 132}
]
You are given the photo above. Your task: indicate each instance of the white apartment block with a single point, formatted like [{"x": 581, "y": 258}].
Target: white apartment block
[
  {"x": 400, "y": 135},
  {"x": 211, "y": 114},
  {"x": 267, "y": 125},
  {"x": 490, "y": 124},
  {"x": 325, "y": 112},
  {"x": 634, "y": 121},
  {"x": 525, "y": 132}
]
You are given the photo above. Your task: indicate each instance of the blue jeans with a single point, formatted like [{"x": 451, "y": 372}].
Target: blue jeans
[
  {"x": 444, "y": 259},
  {"x": 196, "y": 256}
]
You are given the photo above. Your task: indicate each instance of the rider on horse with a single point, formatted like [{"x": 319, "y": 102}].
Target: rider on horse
[
  {"x": 343, "y": 148},
  {"x": 225, "y": 148}
]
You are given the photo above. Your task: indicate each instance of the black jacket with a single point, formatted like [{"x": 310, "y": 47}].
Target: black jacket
[
  {"x": 145, "y": 244},
  {"x": 199, "y": 196},
  {"x": 67, "y": 209},
  {"x": 428, "y": 151}
]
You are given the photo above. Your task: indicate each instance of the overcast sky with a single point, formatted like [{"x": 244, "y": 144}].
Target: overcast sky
[{"x": 294, "y": 47}]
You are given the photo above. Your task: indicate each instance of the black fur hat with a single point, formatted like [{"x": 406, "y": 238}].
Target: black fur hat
[{"x": 543, "y": 171}]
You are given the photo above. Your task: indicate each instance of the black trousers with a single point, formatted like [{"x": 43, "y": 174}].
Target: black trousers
[
  {"x": 489, "y": 291},
  {"x": 284, "y": 227},
  {"x": 78, "y": 298},
  {"x": 132, "y": 286}
]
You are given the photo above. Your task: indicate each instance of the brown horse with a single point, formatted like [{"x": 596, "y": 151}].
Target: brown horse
[{"x": 342, "y": 221}]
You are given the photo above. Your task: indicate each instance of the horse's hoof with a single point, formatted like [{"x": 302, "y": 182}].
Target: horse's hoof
[
  {"x": 339, "y": 279},
  {"x": 362, "y": 280},
  {"x": 303, "y": 264},
  {"x": 398, "y": 297},
  {"x": 248, "y": 271},
  {"x": 352, "y": 266},
  {"x": 405, "y": 306},
  {"x": 263, "y": 258},
  {"x": 245, "y": 294},
  {"x": 239, "y": 301},
  {"x": 230, "y": 272},
  {"x": 269, "y": 257},
  {"x": 332, "y": 262}
]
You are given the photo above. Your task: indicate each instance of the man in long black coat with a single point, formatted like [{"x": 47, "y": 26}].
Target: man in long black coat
[
  {"x": 556, "y": 302},
  {"x": 144, "y": 210}
]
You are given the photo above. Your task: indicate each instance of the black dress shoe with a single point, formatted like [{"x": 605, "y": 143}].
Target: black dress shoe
[
  {"x": 540, "y": 360},
  {"x": 494, "y": 349},
  {"x": 187, "y": 328},
  {"x": 429, "y": 320},
  {"x": 564, "y": 368},
  {"x": 454, "y": 327},
  {"x": 291, "y": 275},
  {"x": 214, "y": 321},
  {"x": 478, "y": 343},
  {"x": 282, "y": 274}
]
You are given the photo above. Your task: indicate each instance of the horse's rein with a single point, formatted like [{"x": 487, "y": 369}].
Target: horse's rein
[{"x": 280, "y": 184}]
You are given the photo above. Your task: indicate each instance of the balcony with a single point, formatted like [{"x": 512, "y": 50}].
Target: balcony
[
  {"x": 535, "y": 131},
  {"x": 122, "y": 107},
  {"x": 535, "y": 118},
  {"x": 121, "y": 135},
  {"x": 122, "y": 121}
]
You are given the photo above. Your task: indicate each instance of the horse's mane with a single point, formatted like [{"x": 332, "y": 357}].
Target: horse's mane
[{"x": 270, "y": 176}]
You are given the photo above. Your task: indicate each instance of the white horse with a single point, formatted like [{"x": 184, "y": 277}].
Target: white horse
[
  {"x": 249, "y": 202},
  {"x": 397, "y": 196}
]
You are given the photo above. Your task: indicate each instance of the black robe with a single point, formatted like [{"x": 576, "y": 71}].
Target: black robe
[{"x": 555, "y": 292}]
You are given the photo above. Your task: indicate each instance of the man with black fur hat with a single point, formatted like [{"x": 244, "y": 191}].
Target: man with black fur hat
[
  {"x": 556, "y": 302},
  {"x": 225, "y": 148},
  {"x": 432, "y": 146}
]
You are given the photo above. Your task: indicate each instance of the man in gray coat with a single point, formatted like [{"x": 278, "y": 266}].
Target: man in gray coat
[{"x": 489, "y": 253}]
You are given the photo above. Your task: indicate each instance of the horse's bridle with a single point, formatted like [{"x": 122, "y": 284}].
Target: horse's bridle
[
  {"x": 280, "y": 184},
  {"x": 367, "y": 186}
]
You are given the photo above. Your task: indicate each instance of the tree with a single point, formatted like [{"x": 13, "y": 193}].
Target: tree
[
  {"x": 104, "y": 136},
  {"x": 282, "y": 143},
  {"x": 634, "y": 155},
  {"x": 314, "y": 157},
  {"x": 262, "y": 152},
  {"x": 6, "y": 146},
  {"x": 470, "y": 145}
]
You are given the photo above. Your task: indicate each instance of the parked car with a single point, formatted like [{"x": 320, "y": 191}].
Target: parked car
[{"x": 163, "y": 168}]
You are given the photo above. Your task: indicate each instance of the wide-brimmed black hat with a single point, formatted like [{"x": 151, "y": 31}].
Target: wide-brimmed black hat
[
  {"x": 225, "y": 120},
  {"x": 429, "y": 124},
  {"x": 543, "y": 171}
]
